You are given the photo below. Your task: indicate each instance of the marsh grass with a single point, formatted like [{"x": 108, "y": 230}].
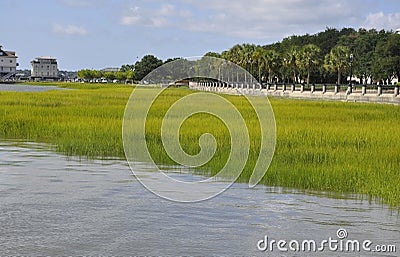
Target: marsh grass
[
  {"x": 85, "y": 122},
  {"x": 324, "y": 146}
]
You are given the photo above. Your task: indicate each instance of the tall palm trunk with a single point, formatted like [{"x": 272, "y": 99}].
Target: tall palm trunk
[{"x": 269, "y": 75}]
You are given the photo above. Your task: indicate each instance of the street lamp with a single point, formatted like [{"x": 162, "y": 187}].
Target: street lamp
[
  {"x": 284, "y": 69},
  {"x": 351, "y": 73},
  {"x": 251, "y": 70}
]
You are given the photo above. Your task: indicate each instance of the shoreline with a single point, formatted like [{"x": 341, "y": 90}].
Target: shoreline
[{"x": 321, "y": 145}]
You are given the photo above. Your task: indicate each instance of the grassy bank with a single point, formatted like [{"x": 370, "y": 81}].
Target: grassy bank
[
  {"x": 85, "y": 122},
  {"x": 325, "y": 146}
]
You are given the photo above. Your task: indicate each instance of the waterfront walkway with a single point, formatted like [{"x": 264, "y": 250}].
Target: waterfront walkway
[{"x": 357, "y": 93}]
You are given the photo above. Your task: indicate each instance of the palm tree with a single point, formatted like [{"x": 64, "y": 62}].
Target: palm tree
[
  {"x": 338, "y": 60},
  {"x": 285, "y": 66},
  {"x": 309, "y": 58},
  {"x": 259, "y": 57},
  {"x": 246, "y": 54},
  {"x": 271, "y": 60},
  {"x": 292, "y": 57},
  {"x": 246, "y": 57},
  {"x": 234, "y": 55}
]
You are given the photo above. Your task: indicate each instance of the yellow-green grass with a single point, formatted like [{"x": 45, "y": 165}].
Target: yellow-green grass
[
  {"x": 324, "y": 146},
  {"x": 84, "y": 122}
]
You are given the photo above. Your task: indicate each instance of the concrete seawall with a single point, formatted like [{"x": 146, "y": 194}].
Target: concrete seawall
[{"x": 358, "y": 94}]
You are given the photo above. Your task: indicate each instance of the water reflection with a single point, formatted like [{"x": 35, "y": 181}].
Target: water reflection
[
  {"x": 28, "y": 88},
  {"x": 54, "y": 205}
]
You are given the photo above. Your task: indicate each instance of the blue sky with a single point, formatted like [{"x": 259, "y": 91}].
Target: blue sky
[{"x": 108, "y": 33}]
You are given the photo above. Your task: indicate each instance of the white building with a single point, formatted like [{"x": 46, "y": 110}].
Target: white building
[
  {"x": 44, "y": 68},
  {"x": 8, "y": 64},
  {"x": 110, "y": 69}
]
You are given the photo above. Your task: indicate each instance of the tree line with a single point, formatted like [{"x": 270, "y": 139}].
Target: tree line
[
  {"x": 132, "y": 72},
  {"x": 326, "y": 57}
]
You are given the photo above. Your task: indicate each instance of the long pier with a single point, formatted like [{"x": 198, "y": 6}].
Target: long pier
[{"x": 355, "y": 93}]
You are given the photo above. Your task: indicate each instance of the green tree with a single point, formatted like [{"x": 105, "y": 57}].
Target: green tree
[
  {"x": 97, "y": 74},
  {"x": 245, "y": 58},
  {"x": 172, "y": 59},
  {"x": 326, "y": 40},
  {"x": 374, "y": 52},
  {"x": 386, "y": 61},
  {"x": 233, "y": 55},
  {"x": 120, "y": 75},
  {"x": 338, "y": 60},
  {"x": 258, "y": 57},
  {"x": 130, "y": 75},
  {"x": 89, "y": 74},
  {"x": 308, "y": 59},
  {"x": 272, "y": 63},
  {"x": 213, "y": 54},
  {"x": 364, "y": 47},
  {"x": 127, "y": 67},
  {"x": 246, "y": 55},
  {"x": 109, "y": 75},
  {"x": 146, "y": 65},
  {"x": 292, "y": 56},
  {"x": 85, "y": 74}
]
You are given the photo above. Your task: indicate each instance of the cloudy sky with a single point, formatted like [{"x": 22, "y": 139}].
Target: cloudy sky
[{"x": 108, "y": 33}]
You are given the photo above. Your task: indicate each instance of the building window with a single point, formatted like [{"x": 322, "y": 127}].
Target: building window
[{"x": 10, "y": 61}]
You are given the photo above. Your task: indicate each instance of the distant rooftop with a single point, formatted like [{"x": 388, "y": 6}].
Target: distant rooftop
[
  {"x": 110, "y": 69},
  {"x": 6, "y": 53},
  {"x": 47, "y": 58}
]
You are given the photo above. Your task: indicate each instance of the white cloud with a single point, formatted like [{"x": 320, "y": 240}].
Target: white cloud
[
  {"x": 156, "y": 18},
  {"x": 133, "y": 17},
  {"x": 269, "y": 18},
  {"x": 255, "y": 19},
  {"x": 130, "y": 20},
  {"x": 69, "y": 30},
  {"x": 166, "y": 10},
  {"x": 78, "y": 3},
  {"x": 380, "y": 20}
]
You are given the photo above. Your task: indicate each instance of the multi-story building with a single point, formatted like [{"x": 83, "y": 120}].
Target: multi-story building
[
  {"x": 8, "y": 64},
  {"x": 44, "y": 68},
  {"x": 110, "y": 69}
]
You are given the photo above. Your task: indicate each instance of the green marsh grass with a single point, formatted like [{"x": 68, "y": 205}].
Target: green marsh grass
[
  {"x": 324, "y": 146},
  {"x": 84, "y": 122}
]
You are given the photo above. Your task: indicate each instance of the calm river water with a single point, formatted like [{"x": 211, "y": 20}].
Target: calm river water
[
  {"x": 54, "y": 205},
  {"x": 28, "y": 88}
]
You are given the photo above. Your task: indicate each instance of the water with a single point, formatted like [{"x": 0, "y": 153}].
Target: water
[
  {"x": 28, "y": 88},
  {"x": 54, "y": 205}
]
